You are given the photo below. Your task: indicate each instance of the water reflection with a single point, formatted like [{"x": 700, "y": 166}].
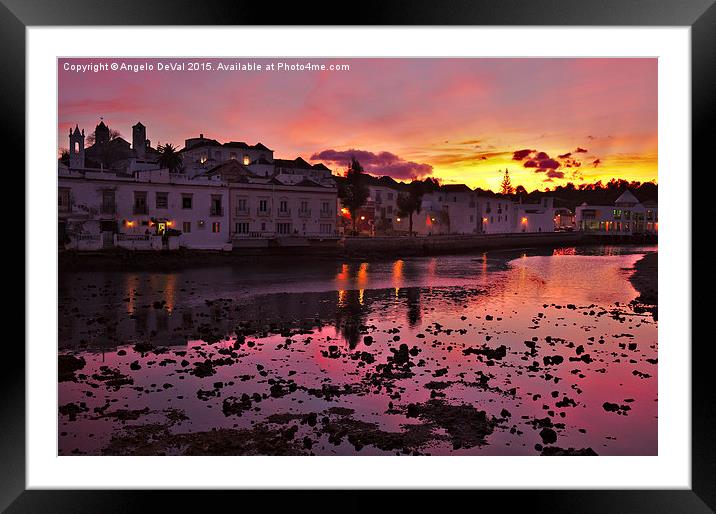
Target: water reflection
[
  {"x": 309, "y": 324},
  {"x": 164, "y": 306}
]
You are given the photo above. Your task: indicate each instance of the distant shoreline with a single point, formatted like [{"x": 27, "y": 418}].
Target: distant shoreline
[{"x": 645, "y": 279}]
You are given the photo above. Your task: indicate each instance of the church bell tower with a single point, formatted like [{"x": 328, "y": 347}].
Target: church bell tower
[{"x": 77, "y": 148}]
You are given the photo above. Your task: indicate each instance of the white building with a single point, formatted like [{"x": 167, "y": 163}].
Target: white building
[
  {"x": 496, "y": 215},
  {"x": 265, "y": 210},
  {"x": 452, "y": 209},
  {"x": 626, "y": 217},
  {"x": 240, "y": 201},
  {"x": 201, "y": 154},
  {"x": 292, "y": 172},
  {"x": 149, "y": 210}
]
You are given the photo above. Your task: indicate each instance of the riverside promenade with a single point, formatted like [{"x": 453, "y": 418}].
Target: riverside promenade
[{"x": 445, "y": 244}]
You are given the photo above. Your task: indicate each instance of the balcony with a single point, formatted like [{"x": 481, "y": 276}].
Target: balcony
[
  {"x": 216, "y": 210},
  {"x": 327, "y": 214},
  {"x": 304, "y": 213},
  {"x": 242, "y": 212},
  {"x": 285, "y": 213},
  {"x": 264, "y": 212},
  {"x": 253, "y": 235}
]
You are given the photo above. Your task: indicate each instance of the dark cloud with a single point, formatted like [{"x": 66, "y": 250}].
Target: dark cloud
[
  {"x": 549, "y": 163},
  {"x": 596, "y": 162},
  {"x": 580, "y": 150},
  {"x": 381, "y": 163},
  {"x": 521, "y": 154},
  {"x": 541, "y": 162}
]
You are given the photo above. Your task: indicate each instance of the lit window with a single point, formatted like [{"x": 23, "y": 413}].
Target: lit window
[
  {"x": 216, "y": 227},
  {"x": 247, "y": 160}
]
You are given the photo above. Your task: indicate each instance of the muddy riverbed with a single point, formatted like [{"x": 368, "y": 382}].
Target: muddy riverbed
[{"x": 539, "y": 352}]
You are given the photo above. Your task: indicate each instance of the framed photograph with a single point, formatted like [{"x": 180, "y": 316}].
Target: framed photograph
[{"x": 417, "y": 249}]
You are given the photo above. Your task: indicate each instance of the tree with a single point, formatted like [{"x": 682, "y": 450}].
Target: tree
[
  {"x": 169, "y": 158},
  {"x": 65, "y": 156},
  {"x": 506, "y": 186},
  {"x": 354, "y": 191},
  {"x": 411, "y": 202}
]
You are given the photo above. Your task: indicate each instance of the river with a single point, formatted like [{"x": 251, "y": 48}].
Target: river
[{"x": 500, "y": 353}]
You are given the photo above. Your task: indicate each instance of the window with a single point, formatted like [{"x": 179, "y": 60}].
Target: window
[
  {"x": 326, "y": 228},
  {"x": 304, "y": 205},
  {"x": 242, "y": 228},
  {"x": 216, "y": 209},
  {"x": 186, "y": 227},
  {"x": 283, "y": 228},
  {"x": 325, "y": 207},
  {"x": 390, "y": 196},
  {"x": 617, "y": 214},
  {"x": 247, "y": 160},
  {"x": 216, "y": 227},
  {"x": 140, "y": 202},
  {"x": 63, "y": 201},
  {"x": 186, "y": 201},
  {"x": 232, "y": 155},
  {"x": 108, "y": 203},
  {"x": 627, "y": 215},
  {"x": 241, "y": 205},
  {"x": 162, "y": 200},
  {"x": 283, "y": 206},
  {"x": 263, "y": 226},
  {"x": 390, "y": 209},
  {"x": 263, "y": 205}
]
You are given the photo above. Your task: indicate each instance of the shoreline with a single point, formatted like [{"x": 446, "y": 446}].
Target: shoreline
[
  {"x": 349, "y": 250},
  {"x": 645, "y": 279},
  {"x": 166, "y": 261}
]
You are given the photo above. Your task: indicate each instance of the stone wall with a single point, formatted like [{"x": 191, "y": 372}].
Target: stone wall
[{"x": 383, "y": 246}]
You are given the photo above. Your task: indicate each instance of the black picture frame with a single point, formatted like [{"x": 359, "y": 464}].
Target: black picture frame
[{"x": 700, "y": 15}]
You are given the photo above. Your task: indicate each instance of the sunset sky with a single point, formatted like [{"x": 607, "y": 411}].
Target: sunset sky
[{"x": 548, "y": 121}]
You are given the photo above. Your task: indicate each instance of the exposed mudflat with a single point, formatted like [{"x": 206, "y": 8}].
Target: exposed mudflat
[{"x": 532, "y": 353}]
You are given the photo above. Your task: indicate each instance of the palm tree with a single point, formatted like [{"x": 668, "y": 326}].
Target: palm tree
[{"x": 169, "y": 158}]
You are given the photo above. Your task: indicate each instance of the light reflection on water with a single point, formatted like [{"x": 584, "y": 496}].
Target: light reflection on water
[{"x": 337, "y": 304}]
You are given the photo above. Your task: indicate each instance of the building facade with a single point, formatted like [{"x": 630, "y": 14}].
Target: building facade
[
  {"x": 146, "y": 211},
  {"x": 142, "y": 207},
  {"x": 627, "y": 216},
  {"x": 265, "y": 210}
]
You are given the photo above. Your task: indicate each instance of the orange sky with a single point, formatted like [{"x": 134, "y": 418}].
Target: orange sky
[{"x": 460, "y": 120}]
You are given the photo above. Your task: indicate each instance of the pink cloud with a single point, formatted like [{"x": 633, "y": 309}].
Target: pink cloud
[{"x": 381, "y": 163}]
